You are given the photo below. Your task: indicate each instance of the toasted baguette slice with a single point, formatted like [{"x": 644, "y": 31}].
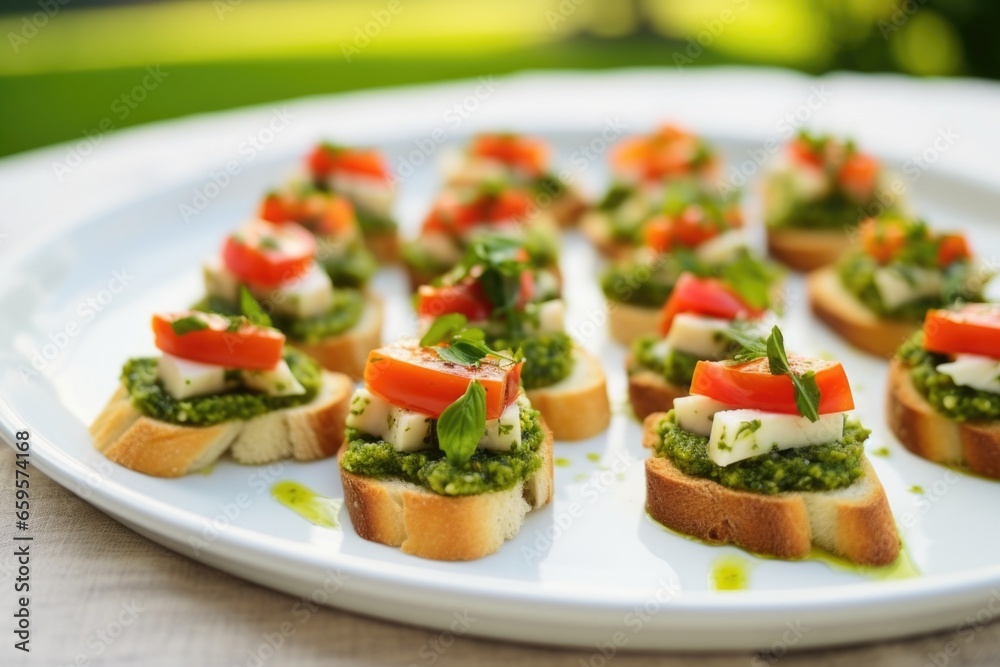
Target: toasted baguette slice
[
  {"x": 627, "y": 322},
  {"x": 854, "y": 522},
  {"x": 595, "y": 225},
  {"x": 842, "y": 311},
  {"x": 384, "y": 245},
  {"x": 577, "y": 406},
  {"x": 931, "y": 435},
  {"x": 311, "y": 431},
  {"x": 649, "y": 392},
  {"x": 425, "y": 524},
  {"x": 348, "y": 352},
  {"x": 567, "y": 208},
  {"x": 806, "y": 249}
]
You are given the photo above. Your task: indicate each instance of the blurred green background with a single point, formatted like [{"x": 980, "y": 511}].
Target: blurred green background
[{"x": 66, "y": 64}]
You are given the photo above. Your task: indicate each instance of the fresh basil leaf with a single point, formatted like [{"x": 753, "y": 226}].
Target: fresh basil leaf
[
  {"x": 464, "y": 351},
  {"x": 443, "y": 328},
  {"x": 806, "y": 395},
  {"x": 751, "y": 279},
  {"x": 806, "y": 389},
  {"x": 252, "y": 310},
  {"x": 750, "y": 346},
  {"x": 462, "y": 424},
  {"x": 189, "y": 324}
]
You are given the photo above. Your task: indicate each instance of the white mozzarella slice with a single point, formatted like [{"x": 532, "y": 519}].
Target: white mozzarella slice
[
  {"x": 699, "y": 335},
  {"x": 970, "y": 370},
  {"x": 408, "y": 431},
  {"x": 279, "y": 381},
  {"x": 219, "y": 282},
  {"x": 551, "y": 316},
  {"x": 368, "y": 413},
  {"x": 503, "y": 433},
  {"x": 897, "y": 289},
  {"x": 723, "y": 249},
  {"x": 184, "y": 379},
  {"x": 306, "y": 296},
  {"x": 742, "y": 434},
  {"x": 368, "y": 193},
  {"x": 694, "y": 413}
]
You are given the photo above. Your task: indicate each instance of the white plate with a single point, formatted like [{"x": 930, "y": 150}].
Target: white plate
[{"x": 591, "y": 569}]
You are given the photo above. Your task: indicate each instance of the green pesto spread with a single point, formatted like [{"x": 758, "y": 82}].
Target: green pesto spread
[
  {"x": 857, "y": 274},
  {"x": 348, "y": 264},
  {"x": 372, "y": 224},
  {"x": 956, "y": 402},
  {"x": 486, "y": 471},
  {"x": 238, "y": 403},
  {"x": 825, "y": 467},
  {"x": 348, "y": 305},
  {"x": 676, "y": 368},
  {"x": 548, "y": 358}
]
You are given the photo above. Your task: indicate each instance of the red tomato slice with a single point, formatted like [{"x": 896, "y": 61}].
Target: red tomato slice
[
  {"x": 417, "y": 379},
  {"x": 263, "y": 254},
  {"x": 952, "y": 248},
  {"x": 450, "y": 215},
  {"x": 466, "y": 298},
  {"x": 276, "y": 208},
  {"x": 522, "y": 153},
  {"x": 751, "y": 385},
  {"x": 882, "y": 240},
  {"x": 322, "y": 214},
  {"x": 972, "y": 329},
  {"x": 667, "y": 152},
  {"x": 251, "y": 347},
  {"x": 801, "y": 151},
  {"x": 326, "y": 160},
  {"x": 704, "y": 296},
  {"x": 658, "y": 233},
  {"x": 858, "y": 175}
]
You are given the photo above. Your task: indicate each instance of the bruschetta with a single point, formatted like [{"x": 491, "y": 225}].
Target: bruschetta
[
  {"x": 444, "y": 455},
  {"x": 461, "y": 216},
  {"x": 518, "y": 307},
  {"x": 221, "y": 384},
  {"x": 277, "y": 264},
  {"x": 361, "y": 175},
  {"x": 764, "y": 455},
  {"x": 815, "y": 196},
  {"x": 944, "y": 389},
  {"x": 704, "y": 319},
  {"x": 641, "y": 169},
  {"x": 519, "y": 161},
  {"x": 340, "y": 248},
  {"x": 877, "y": 295}
]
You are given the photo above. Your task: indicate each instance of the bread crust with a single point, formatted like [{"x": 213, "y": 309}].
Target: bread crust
[
  {"x": 576, "y": 407},
  {"x": 594, "y": 225},
  {"x": 843, "y": 313},
  {"x": 348, "y": 352},
  {"x": 649, "y": 392},
  {"x": 131, "y": 439},
  {"x": 855, "y": 523},
  {"x": 384, "y": 246},
  {"x": 567, "y": 208},
  {"x": 428, "y": 525},
  {"x": 627, "y": 322},
  {"x": 807, "y": 249},
  {"x": 933, "y": 436}
]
